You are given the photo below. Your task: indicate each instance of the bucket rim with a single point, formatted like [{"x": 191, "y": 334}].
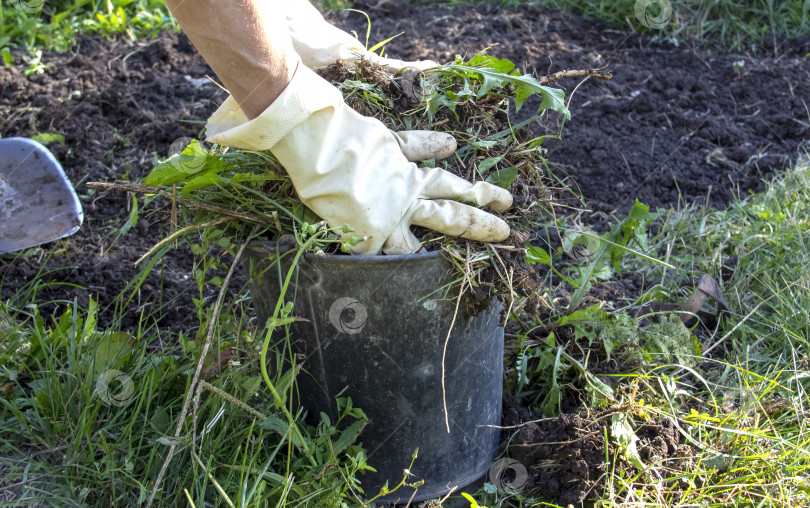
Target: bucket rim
[{"x": 269, "y": 245}]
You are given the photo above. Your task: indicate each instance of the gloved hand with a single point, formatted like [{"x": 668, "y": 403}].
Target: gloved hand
[
  {"x": 351, "y": 169},
  {"x": 319, "y": 43}
]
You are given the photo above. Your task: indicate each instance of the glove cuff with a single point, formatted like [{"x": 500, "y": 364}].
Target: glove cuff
[{"x": 306, "y": 94}]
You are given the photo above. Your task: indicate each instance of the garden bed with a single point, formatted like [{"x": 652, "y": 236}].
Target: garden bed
[{"x": 677, "y": 124}]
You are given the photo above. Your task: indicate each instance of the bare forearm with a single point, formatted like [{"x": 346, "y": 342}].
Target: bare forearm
[{"x": 246, "y": 43}]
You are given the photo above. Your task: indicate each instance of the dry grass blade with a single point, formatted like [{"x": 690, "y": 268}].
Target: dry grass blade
[
  {"x": 189, "y": 203},
  {"x": 196, "y": 377},
  {"x": 550, "y": 78},
  {"x": 181, "y": 232}
]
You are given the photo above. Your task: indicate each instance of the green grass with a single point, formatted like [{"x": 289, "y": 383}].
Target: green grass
[
  {"x": 54, "y": 24},
  {"x": 736, "y": 24},
  {"x": 88, "y": 415},
  {"x": 739, "y": 25},
  {"x": 749, "y": 396},
  {"x": 740, "y": 401}
]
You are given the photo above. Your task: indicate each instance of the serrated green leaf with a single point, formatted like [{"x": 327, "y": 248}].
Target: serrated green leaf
[
  {"x": 525, "y": 87},
  {"x": 639, "y": 215},
  {"x": 8, "y": 59},
  {"x": 436, "y": 100},
  {"x": 250, "y": 384},
  {"x": 553, "y": 99},
  {"x": 348, "y": 436},
  {"x": 594, "y": 323},
  {"x": 282, "y": 427},
  {"x": 671, "y": 339},
  {"x": 632, "y": 228}
]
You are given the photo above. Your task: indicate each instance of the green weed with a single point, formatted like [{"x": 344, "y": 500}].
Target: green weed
[
  {"x": 88, "y": 416},
  {"x": 53, "y": 25}
]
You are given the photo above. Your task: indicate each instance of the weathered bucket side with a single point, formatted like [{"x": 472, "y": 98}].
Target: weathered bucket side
[{"x": 376, "y": 327}]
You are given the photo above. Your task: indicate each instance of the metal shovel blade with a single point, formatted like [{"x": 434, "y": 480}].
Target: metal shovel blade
[{"x": 37, "y": 201}]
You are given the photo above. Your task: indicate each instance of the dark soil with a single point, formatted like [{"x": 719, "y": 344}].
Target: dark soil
[
  {"x": 119, "y": 106},
  {"x": 676, "y": 124},
  {"x": 567, "y": 456}
]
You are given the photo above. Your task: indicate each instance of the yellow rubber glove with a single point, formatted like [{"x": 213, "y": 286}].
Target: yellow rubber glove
[{"x": 350, "y": 169}]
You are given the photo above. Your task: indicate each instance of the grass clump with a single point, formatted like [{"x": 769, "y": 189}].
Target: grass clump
[
  {"x": 88, "y": 415},
  {"x": 745, "y": 408},
  {"x": 473, "y": 100},
  {"x": 733, "y": 24},
  {"x": 45, "y": 25},
  {"x": 37, "y": 25},
  {"x": 733, "y": 385}
]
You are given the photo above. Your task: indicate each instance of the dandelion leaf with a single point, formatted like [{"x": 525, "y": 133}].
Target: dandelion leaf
[
  {"x": 348, "y": 436},
  {"x": 671, "y": 340},
  {"x": 594, "y": 323},
  {"x": 497, "y": 72},
  {"x": 632, "y": 229}
]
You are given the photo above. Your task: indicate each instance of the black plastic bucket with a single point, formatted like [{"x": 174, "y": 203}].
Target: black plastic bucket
[{"x": 377, "y": 327}]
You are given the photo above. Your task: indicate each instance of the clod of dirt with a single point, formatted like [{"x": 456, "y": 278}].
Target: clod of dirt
[{"x": 566, "y": 455}]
